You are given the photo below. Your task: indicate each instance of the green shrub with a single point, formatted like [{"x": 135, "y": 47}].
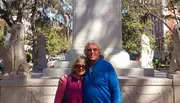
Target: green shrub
[{"x": 29, "y": 57}]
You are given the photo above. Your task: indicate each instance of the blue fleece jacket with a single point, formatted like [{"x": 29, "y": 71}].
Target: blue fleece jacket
[{"x": 101, "y": 84}]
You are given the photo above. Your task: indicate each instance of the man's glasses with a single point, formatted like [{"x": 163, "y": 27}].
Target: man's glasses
[
  {"x": 80, "y": 66},
  {"x": 93, "y": 49}
]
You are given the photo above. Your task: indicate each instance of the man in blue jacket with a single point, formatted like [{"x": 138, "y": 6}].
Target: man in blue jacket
[{"x": 100, "y": 82}]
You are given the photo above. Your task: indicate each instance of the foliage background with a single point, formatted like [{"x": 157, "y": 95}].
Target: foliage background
[{"x": 135, "y": 23}]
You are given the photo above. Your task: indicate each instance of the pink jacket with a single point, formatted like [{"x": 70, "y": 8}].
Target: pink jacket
[{"x": 73, "y": 90}]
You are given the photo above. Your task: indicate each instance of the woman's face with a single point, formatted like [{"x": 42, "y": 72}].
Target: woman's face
[{"x": 80, "y": 68}]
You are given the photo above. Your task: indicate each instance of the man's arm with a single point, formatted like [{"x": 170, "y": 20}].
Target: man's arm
[
  {"x": 114, "y": 86},
  {"x": 61, "y": 80}
]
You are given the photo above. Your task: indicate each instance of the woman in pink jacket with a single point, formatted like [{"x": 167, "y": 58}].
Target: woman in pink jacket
[{"x": 71, "y": 89}]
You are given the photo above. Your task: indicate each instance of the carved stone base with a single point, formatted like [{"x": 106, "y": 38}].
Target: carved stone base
[
  {"x": 134, "y": 90},
  {"x": 14, "y": 95},
  {"x": 173, "y": 76}
]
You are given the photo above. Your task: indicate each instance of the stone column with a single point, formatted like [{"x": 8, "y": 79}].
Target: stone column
[{"x": 98, "y": 20}]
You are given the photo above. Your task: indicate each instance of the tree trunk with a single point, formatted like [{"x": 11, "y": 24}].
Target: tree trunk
[{"x": 33, "y": 18}]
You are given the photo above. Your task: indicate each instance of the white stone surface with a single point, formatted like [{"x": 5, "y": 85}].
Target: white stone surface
[
  {"x": 60, "y": 68},
  {"x": 147, "y": 53},
  {"x": 98, "y": 20},
  {"x": 18, "y": 95},
  {"x": 55, "y": 72},
  {"x": 62, "y": 64}
]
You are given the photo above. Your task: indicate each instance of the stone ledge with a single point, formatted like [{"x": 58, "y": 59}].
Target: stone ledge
[
  {"x": 54, "y": 82},
  {"x": 29, "y": 83},
  {"x": 146, "y": 82},
  {"x": 173, "y": 76}
]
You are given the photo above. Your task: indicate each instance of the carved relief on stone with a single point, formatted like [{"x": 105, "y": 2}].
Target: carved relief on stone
[
  {"x": 41, "y": 94},
  {"x": 147, "y": 94},
  {"x": 36, "y": 95},
  {"x": 13, "y": 95},
  {"x": 175, "y": 61},
  {"x": 14, "y": 56}
]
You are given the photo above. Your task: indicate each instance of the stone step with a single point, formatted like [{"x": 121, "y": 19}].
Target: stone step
[
  {"x": 57, "y": 72},
  {"x": 126, "y": 64},
  {"x": 122, "y": 68},
  {"x": 62, "y": 64},
  {"x": 135, "y": 72},
  {"x": 116, "y": 64}
]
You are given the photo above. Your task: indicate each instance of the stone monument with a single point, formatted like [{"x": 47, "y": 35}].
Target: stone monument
[
  {"x": 39, "y": 58},
  {"x": 175, "y": 61},
  {"x": 147, "y": 53},
  {"x": 99, "y": 20},
  {"x": 14, "y": 56}
]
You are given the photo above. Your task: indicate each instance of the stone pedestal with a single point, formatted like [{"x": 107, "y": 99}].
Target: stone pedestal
[
  {"x": 15, "y": 94},
  {"x": 28, "y": 91},
  {"x": 146, "y": 90},
  {"x": 176, "y": 83}
]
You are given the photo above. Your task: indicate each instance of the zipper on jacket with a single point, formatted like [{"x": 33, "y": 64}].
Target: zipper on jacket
[{"x": 90, "y": 72}]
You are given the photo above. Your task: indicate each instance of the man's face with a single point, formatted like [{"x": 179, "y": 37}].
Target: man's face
[{"x": 93, "y": 52}]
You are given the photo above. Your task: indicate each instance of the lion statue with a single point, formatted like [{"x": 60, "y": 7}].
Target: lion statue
[
  {"x": 175, "y": 60},
  {"x": 14, "y": 56}
]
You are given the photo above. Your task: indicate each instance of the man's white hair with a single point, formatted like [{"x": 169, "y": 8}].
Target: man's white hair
[{"x": 101, "y": 54}]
